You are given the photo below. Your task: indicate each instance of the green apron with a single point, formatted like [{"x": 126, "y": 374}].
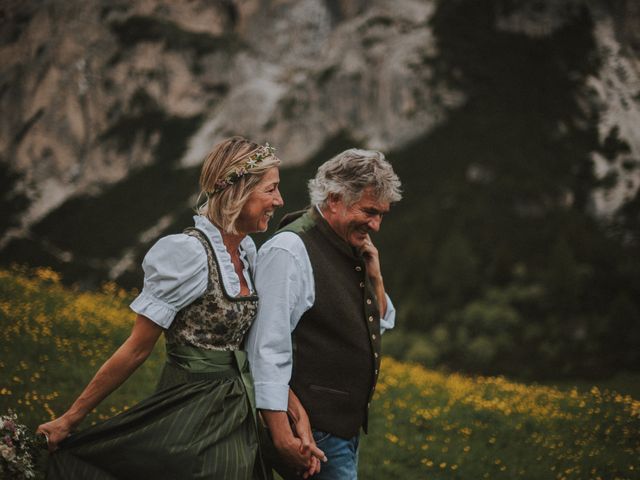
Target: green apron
[{"x": 200, "y": 423}]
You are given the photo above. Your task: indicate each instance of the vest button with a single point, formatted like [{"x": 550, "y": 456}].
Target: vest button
[
  {"x": 361, "y": 284},
  {"x": 375, "y": 354},
  {"x": 358, "y": 268},
  {"x": 371, "y": 318},
  {"x": 368, "y": 301},
  {"x": 373, "y": 336},
  {"x": 376, "y": 371}
]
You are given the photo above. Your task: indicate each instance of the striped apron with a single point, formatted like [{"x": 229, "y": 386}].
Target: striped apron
[{"x": 199, "y": 424}]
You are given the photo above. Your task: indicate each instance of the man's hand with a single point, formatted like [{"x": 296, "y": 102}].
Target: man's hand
[
  {"x": 372, "y": 262},
  {"x": 372, "y": 259}
]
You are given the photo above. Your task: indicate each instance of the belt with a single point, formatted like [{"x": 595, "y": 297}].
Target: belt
[{"x": 203, "y": 364}]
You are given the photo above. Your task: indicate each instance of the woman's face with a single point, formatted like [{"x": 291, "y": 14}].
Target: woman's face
[{"x": 259, "y": 207}]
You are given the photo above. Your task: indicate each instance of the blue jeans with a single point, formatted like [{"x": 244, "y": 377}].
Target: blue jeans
[{"x": 342, "y": 456}]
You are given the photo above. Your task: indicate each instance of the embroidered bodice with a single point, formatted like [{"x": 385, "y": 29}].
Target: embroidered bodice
[{"x": 215, "y": 321}]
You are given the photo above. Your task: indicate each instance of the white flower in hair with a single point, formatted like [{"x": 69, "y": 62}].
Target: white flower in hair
[{"x": 255, "y": 158}]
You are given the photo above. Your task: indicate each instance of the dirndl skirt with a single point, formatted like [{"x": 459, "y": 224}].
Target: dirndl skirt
[{"x": 197, "y": 425}]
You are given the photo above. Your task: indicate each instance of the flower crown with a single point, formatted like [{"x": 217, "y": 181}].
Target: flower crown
[{"x": 255, "y": 158}]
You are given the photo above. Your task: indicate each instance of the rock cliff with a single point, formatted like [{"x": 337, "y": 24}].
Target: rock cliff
[{"x": 95, "y": 91}]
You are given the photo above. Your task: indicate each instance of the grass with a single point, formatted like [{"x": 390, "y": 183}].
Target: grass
[
  {"x": 53, "y": 339},
  {"x": 430, "y": 425},
  {"x": 424, "y": 424},
  {"x": 624, "y": 382}
]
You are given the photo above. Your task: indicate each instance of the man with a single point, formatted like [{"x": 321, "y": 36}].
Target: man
[{"x": 315, "y": 345}]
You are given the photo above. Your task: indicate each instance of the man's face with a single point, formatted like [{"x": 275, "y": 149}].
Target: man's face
[{"x": 353, "y": 223}]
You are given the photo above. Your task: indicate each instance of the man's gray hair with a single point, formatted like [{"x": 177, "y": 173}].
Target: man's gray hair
[{"x": 349, "y": 173}]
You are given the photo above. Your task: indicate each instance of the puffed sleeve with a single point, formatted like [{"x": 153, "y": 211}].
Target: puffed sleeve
[{"x": 175, "y": 274}]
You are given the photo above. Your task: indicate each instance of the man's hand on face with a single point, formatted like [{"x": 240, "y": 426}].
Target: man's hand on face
[
  {"x": 372, "y": 262},
  {"x": 372, "y": 259}
]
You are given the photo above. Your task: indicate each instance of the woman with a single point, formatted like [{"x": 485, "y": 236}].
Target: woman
[{"x": 201, "y": 422}]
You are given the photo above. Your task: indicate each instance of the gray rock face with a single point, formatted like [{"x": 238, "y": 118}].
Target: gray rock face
[
  {"x": 88, "y": 87},
  {"x": 617, "y": 92},
  {"x": 87, "y": 84},
  {"x": 614, "y": 93},
  {"x": 83, "y": 81},
  {"x": 312, "y": 72}
]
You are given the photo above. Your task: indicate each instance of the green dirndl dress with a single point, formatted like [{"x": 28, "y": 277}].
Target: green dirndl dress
[{"x": 201, "y": 422}]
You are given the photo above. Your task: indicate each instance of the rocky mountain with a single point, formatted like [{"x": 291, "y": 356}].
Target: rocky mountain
[
  {"x": 90, "y": 89},
  {"x": 513, "y": 123}
]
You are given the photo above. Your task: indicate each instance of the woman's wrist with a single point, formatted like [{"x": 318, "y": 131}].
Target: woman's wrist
[{"x": 72, "y": 418}]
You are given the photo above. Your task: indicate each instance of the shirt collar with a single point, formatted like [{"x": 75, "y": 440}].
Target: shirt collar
[
  {"x": 215, "y": 236},
  {"x": 247, "y": 251}
]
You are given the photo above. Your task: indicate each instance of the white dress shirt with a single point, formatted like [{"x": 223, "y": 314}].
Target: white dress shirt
[
  {"x": 176, "y": 272},
  {"x": 285, "y": 285}
]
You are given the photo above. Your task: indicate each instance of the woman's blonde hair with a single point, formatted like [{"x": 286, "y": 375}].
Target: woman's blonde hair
[{"x": 225, "y": 190}]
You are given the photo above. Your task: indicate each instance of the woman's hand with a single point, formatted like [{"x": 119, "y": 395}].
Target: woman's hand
[
  {"x": 55, "y": 431},
  {"x": 129, "y": 356}
]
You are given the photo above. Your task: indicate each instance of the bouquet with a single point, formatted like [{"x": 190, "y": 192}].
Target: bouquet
[{"x": 17, "y": 449}]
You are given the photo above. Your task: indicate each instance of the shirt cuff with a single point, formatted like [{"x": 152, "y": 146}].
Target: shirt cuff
[
  {"x": 272, "y": 396},
  {"x": 155, "y": 310},
  {"x": 388, "y": 321}
]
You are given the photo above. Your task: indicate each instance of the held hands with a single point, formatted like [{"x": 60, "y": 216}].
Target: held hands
[
  {"x": 308, "y": 448},
  {"x": 299, "y": 453},
  {"x": 301, "y": 428},
  {"x": 293, "y": 439}
]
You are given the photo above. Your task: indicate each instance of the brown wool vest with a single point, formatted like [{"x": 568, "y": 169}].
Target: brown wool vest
[{"x": 336, "y": 353}]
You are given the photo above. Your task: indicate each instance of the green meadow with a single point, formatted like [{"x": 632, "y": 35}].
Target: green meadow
[{"x": 425, "y": 423}]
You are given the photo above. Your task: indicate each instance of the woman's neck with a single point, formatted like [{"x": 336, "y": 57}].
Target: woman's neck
[{"x": 232, "y": 242}]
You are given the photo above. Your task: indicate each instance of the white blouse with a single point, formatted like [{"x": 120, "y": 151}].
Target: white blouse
[
  {"x": 285, "y": 283},
  {"x": 176, "y": 272}
]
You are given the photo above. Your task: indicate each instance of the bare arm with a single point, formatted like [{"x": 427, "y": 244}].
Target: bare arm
[{"x": 129, "y": 356}]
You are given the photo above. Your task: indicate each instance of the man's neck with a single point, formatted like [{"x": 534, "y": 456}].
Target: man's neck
[{"x": 328, "y": 216}]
